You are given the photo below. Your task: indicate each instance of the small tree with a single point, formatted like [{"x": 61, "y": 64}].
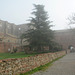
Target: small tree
[
  {"x": 39, "y": 34},
  {"x": 71, "y": 20}
]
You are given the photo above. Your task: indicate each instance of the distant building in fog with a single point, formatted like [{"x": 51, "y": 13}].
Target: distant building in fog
[
  {"x": 65, "y": 37},
  {"x": 13, "y": 29},
  {"x": 10, "y": 32}
]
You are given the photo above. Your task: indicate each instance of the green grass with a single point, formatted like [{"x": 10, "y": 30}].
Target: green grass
[
  {"x": 42, "y": 67},
  {"x": 14, "y": 55},
  {"x": 17, "y": 55}
]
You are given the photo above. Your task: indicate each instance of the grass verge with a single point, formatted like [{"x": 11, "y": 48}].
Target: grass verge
[
  {"x": 15, "y": 55},
  {"x": 42, "y": 67}
]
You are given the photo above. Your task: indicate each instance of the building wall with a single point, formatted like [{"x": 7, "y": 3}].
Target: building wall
[
  {"x": 8, "y": 38},
  {"x": 65, "y": 37},
  {"x": 4, "y": 46},
  {"x": 6, "y": 27},
  {"x": 12, "y": 28},
  {"x": 7, "y": 42}
]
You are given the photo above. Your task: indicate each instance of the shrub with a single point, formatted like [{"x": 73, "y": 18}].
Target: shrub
[{"x": 14, "y": 50}]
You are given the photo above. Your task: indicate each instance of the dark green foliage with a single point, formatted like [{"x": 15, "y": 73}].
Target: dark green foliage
[
  {"x": 56, "y": 47},
  {"x": 39, "y": 34}
]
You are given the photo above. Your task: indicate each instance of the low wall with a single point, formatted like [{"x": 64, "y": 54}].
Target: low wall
[{"x": 21, "y": 65}]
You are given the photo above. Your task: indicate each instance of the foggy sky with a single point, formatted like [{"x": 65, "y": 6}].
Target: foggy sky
[{"x": 18, "y": 11}]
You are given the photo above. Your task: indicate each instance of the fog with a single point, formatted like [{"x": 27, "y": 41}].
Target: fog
[{"x": 19, "y": 11}]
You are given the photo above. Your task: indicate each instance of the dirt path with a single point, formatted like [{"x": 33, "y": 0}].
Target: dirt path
[{"x": 64, "y": 66}]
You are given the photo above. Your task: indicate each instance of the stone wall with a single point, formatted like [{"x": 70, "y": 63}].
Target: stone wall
[
  {"x": 12, "y": 28},
  {"x": 65, "y": 38},
  {"x": 22, "y": 65}
]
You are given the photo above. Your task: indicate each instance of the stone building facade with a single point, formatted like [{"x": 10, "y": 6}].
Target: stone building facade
[
  {"x": 10, "y": 32},
  {"x": 13, "y": 29},
  {"x": 65, "y": 37}
]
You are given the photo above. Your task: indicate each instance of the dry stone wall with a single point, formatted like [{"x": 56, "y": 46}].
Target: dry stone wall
[{"x": 22, "y": 65}]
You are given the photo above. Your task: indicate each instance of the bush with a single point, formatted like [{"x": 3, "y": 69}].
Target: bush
[
  {"x": 56, "y": 47},
  {"x": 14, "y": 50}
]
